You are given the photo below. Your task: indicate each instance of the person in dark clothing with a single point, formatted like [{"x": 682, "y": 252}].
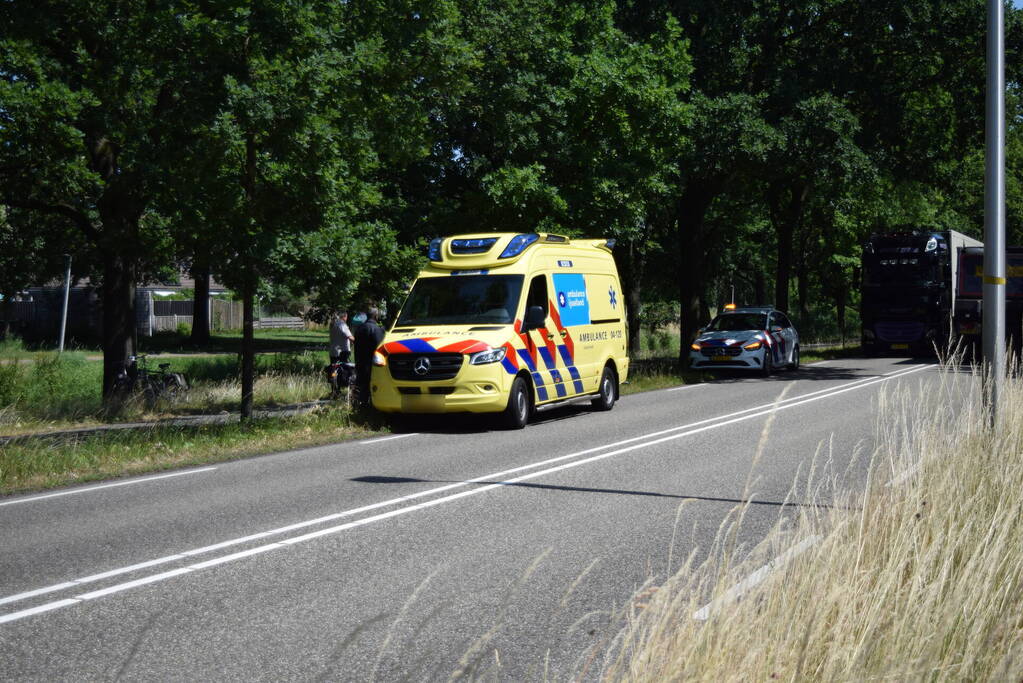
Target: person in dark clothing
[{"x": 367, "y": 338}]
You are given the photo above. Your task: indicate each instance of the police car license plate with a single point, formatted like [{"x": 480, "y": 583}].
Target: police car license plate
[
  {"x": 721, "y": 358},
  {"x": 900, "y": 346}
]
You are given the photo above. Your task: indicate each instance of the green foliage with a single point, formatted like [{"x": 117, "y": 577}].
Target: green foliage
[{"x": 10, "y": 384}]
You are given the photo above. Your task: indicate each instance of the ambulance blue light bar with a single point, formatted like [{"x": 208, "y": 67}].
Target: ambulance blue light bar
[
  {"x": 518, "y": 244},
  {"x": 476, "y": 246},
  {"x": 434, "y": 251}
]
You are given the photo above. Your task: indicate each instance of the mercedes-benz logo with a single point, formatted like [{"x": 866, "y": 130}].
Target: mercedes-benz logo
[{"x": 422, "y": 365}]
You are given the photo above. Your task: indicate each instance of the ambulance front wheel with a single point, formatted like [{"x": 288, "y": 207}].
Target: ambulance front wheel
[
  {"x": 605, "y": 400},
  {"x": 516, "y": 414}
]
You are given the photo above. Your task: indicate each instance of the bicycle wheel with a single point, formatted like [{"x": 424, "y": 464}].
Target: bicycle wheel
[{"x": 175, "y": 387}]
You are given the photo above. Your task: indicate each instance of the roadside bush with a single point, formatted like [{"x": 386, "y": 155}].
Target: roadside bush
[
  {"x": 62, "y": 386},
  {"x": 184, "y": 329},
  {"x": 10, "y": 384}
]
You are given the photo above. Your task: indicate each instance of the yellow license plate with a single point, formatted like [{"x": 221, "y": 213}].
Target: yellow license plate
[
  {"x": 900, "y": 346},
  {"x": 721, "y": 358}
]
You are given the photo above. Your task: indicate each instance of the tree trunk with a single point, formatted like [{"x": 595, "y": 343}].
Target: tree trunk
[
  {"x": 841, "y": 287},
  {"x": 784, "y": 267},
  {"x": 692, "y": 209},
  {"x": 118, "y": 317},
  {"x": 759, "y": 287},
  {"x": 201, "y": 305},
  {"x": 786, "y": 223},
  {"x": 633, "y": 265},
  {"x": 248, "y": 352}
]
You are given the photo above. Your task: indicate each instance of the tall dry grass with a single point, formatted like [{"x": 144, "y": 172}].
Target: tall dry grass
[{"x": 919, "y": 575}]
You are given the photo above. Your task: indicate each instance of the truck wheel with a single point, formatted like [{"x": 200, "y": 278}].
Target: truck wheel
[
  {"x": 516, "y": 414},
  {"x": 605, "y": 400}
]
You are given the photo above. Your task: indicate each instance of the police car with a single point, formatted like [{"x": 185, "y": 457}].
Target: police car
[{"x": 759, "y": 339}]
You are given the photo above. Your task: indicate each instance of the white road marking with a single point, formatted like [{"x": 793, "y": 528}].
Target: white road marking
[
  {"x": 744, "y": 586},
  {"x": 90, "y": 489},
  {"x": 687, "y": 386},
  {"x": 820, "y": 362},
  {"x": 389, "y": 438},
  {"x": 671, "y": 435}
]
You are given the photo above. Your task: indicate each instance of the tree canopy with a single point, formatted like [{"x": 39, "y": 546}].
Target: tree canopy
[{"x": 314, "y": 146}]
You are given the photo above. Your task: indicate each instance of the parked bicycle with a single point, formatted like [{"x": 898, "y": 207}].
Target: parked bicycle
[{"x": 153, "y": 385}]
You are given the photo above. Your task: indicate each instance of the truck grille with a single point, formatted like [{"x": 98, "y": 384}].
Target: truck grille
[
  {"x": 895, "y": 332},
  {"x": 438, "y": 366}
]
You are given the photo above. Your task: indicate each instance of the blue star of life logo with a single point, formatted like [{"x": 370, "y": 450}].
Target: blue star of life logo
[
  {"x": 614, "y": 298},
  {"x": 562, "y": 299}
]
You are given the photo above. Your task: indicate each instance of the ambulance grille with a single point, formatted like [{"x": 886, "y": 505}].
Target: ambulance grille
[{"x": 441, "y": 366}]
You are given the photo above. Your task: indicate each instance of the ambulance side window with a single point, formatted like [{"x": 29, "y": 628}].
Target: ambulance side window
[{"x": 537, "y": 295}]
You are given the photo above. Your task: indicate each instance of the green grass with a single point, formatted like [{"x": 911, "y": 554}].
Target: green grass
[
  {"x": 231, "y": 342},
  {"x": 63, "y": 391},
  {"x": 33, "y": 464}
]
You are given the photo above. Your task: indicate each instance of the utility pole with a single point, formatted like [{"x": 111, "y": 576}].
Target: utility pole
[
  {"x": 994, "y": 213},
  {"x": 67, "y": 293}
]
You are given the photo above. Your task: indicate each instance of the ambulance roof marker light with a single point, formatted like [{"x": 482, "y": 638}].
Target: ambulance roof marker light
[
  {"x": 434, "y": 251},
  {"x": 518, "y": 244}
]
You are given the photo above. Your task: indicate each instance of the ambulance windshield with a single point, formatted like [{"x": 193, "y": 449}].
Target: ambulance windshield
[{"x": 462, "y": 300}]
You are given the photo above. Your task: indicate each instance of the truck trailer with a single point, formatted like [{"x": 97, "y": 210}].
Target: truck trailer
[{"x": 969, "y": 305}]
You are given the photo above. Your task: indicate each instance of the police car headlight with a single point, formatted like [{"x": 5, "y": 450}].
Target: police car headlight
[
  {"x": 379, "y": 359},
  {"x": 488, "y": 356},
  {"x": 753, "y": 345},
  {"x": 694, "y": 346}
]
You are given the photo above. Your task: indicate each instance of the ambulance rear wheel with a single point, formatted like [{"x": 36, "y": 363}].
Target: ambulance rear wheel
[
  {"x": 516, "y": 414},
  {"x": 605, "y": 400}
]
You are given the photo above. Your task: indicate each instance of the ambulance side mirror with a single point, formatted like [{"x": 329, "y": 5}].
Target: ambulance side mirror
[{"x": 535, "y": 318}]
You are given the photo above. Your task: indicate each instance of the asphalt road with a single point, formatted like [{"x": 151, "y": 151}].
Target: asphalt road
[{"x": 455, "y": 547}]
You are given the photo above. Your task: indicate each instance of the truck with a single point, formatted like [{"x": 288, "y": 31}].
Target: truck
[
  {"x": 909, "y": 282},
  {"x": 969, "y": 305}
]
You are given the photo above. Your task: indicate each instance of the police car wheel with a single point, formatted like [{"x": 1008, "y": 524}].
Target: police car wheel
[
  {"x": 794, "y": 365},
  {"x": 765, "y": 368},
  {"x": 606, "y": 399},
  {"x": 516, "y": 414}
]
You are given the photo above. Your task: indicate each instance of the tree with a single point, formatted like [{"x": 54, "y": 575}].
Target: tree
[{"x": 90, "y": 109}]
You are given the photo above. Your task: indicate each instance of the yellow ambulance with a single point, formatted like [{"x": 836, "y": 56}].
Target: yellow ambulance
[{"x": 505, "y": 323}]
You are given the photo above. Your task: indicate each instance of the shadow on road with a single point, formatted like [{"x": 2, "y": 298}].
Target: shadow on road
[{"x": 375, "y": 479}]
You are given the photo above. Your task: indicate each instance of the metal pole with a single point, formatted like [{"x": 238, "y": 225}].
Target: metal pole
[
  {"x": 67, "y": 293},
  {"x": 994, "y": 212}
]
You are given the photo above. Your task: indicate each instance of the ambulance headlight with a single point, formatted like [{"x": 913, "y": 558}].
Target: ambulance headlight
[
  {"x": 379, "y": 359},
  {"x": 488, "y": 356},
  {"x": 932, "y": 245}
]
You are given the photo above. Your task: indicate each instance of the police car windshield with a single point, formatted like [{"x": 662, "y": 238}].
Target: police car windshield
[
  {"x": 462, "y": 300},
  {"x": 738, "y": 322}
]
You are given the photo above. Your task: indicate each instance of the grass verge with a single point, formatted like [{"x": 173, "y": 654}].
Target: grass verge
[
  {"x": 918, "y": 576},
  {"x": 33, "y": 464}
]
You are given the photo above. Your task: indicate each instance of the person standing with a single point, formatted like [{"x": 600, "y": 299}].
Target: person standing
[
  {"x": 367, "y": 338},
  {"x": 340, "y": 338}
]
